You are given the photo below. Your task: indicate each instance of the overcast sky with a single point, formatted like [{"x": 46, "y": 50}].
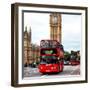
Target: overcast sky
[{"x": 40, "y": 26}]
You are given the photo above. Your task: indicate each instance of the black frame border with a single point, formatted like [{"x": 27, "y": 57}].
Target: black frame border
[{"x": 14, "y": 43}]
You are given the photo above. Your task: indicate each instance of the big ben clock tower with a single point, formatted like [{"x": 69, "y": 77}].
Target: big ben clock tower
[{"x": 55, "y": 27}]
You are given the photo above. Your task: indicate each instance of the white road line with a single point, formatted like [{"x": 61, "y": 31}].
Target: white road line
[{"x": 76, "y": 68}]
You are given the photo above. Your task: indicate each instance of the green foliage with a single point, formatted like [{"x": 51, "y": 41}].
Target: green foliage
[{"x": 66, "y": 55}]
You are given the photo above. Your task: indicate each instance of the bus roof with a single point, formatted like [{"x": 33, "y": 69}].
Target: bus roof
[{"x": 48, "y": 40}]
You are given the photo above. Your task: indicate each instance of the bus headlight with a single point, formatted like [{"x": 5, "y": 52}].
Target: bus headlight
[
  {"x": 51, "y": 67},
  {"x": 41, "y": 67},
  {"x": 58, "y": 58}
]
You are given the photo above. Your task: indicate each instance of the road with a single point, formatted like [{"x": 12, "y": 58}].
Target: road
[{"x": 68, "y": 70}]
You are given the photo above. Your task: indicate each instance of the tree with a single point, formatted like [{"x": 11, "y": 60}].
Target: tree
[{"x": 66, "y": 55}]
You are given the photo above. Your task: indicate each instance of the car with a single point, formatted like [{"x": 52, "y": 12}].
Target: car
[
  {"x": 74, "y": 62},
  {"x": 34, "y": 65},
  {"x": 66, "y": 62}
]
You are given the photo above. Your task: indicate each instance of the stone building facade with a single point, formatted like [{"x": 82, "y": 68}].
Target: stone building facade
[{"x": 31, "y": 51}]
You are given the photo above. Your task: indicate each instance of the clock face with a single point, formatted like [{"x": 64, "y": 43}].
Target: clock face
[{"x": 54, "y": 19}]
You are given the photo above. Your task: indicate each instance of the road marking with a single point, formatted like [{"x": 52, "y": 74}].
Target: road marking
[{"x": 75, "y": 69}]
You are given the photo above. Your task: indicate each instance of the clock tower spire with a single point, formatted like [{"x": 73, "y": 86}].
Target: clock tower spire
[{"x": 55, "y": 26}]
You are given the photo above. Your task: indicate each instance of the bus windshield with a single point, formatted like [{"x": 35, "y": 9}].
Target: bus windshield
[{"x": 49, "y": 59}]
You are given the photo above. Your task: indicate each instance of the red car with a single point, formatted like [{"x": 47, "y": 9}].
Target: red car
[{"x": 74, "y": 62}]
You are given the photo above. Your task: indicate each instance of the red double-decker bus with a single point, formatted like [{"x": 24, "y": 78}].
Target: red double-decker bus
[{"x": 51, "y": 56}]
